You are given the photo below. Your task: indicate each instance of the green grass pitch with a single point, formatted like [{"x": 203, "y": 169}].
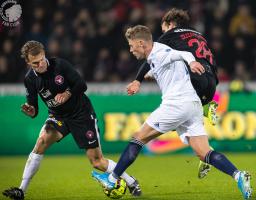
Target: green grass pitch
[{"x": 172, "y": 177}]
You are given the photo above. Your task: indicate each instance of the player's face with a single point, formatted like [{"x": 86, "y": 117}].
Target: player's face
[
  {"x": 136, "y": 48},
  {"x": 38, "y": 62}
]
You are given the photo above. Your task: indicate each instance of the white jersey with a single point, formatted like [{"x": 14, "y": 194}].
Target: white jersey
[{"x": 168, "y": 68}]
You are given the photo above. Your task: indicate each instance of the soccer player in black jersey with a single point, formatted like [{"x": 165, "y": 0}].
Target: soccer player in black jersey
[{"x": 70, "y": 111}]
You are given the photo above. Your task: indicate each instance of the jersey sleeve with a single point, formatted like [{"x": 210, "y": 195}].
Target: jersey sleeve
[
  {"x": 76, "y": 83},
  {"x": 143, "y": 70},
  {"x": 181, "y": 55},
  {"x": 31, "y": 94}
]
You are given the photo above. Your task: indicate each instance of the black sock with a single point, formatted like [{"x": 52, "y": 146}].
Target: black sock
[
  {"x": 128, "y": 157},
  {"x": 220, "y": 162}
]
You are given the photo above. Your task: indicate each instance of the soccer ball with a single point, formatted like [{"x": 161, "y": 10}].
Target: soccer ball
[{"x": 118, "y": 191}]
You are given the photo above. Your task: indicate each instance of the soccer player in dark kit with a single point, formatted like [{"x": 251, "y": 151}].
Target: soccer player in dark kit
[{"x": 70, "y": 111}]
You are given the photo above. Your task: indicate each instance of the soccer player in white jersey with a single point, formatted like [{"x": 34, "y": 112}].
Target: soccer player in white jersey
[{"x": 180, "y": 109}]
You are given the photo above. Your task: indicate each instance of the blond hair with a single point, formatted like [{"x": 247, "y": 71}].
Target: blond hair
[
  {"x": 138, "y": 32},
  {"x": 31, "y": 47}
]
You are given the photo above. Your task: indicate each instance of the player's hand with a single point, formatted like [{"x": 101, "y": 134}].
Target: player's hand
[
  {"x": 196, "y": 67},
  {"x": 133, "y": 87},
  {"x": 28, "y": 109},
  {"x": 62, "y": 97}
]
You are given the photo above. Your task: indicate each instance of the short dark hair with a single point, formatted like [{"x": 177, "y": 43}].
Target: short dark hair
[
  {"x": 138, "y": 32},
  {"x": 178, "y": 16},
  {"x": 31, "y": 47}
]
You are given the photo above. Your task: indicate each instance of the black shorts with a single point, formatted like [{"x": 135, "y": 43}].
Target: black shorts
[
  {"x": 83, "y": 128},
  {"x": 204, "y": 84}
]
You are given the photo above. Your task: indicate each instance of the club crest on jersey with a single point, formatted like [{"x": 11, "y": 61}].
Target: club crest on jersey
[
  {"x": 89, "y": 134},
  {"x": 59, "y": 80}
]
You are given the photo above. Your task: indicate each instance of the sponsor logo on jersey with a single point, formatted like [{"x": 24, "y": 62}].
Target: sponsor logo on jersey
[
  {"x": 52, "y": 103},
  {"x": 91, "y": 142},
  {"x": 89, "y": 134},
  {"x": 59, "y": 80},
  {"x": 45, "y": 93},
  {"x": 52, "y": 119}
]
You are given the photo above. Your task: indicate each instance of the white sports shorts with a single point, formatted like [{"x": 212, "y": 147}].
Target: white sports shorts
[{"x": 184, "y": 117}]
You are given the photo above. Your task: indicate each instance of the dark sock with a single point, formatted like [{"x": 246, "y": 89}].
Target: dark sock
[
  {"x": 220, "y": 162},
  {"x": 128, "y": 157}
]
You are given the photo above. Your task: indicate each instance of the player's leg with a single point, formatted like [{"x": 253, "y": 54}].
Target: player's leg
[
  {"x": 203, "y": 168},
  {"x": 192, "y": 132},
  {"x": 129, "y": 155},
  {"x": 210, "y": 106},
  {"x": 210, "y": 111},
  {"x": 98, "y": 161},
  {"x": 48, "y": 136},
  {"x": 201, "y": 147},
  {"x": 205, "y": 86},
  {"x": 85, "y": 132}
]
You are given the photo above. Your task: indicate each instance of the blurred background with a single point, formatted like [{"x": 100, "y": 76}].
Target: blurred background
[{"x": 90, "y": 34}]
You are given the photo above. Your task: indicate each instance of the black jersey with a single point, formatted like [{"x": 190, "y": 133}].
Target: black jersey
[
  {"x": 59, "y": 77},
  {"x": 187, "y": 39}
]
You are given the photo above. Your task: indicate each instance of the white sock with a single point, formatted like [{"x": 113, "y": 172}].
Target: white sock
[
  {"x": 236, "y": 175},
  {"x": 111, "y": 166},
  {"x": 31, "y": 168}
]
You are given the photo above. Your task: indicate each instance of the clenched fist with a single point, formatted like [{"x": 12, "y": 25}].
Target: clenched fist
[
  {"x": 28, "y": 110},
  {"x": 133, "y": 87}
]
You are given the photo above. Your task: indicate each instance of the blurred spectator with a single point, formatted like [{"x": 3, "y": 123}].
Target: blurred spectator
[
  {"x": 104, "y": 66},
  {"x": 241, "y": 51},
  {"x": 125, "y": 66},
  {"x": 59, "y": 34},
  {"x": 54, "y": 48},
  {"x": 6, "y": 73},
  {"x": 242, "y": 21},
  {"x": 36, "y": 33},
  {"x": 4, "y": 69},
  {"x": 80, "y": 58},
  {"x": 91, "y": 34},
  {"x": 223, "y": 75},
  {"x": 197, "y": 15},
  {"x": 8, "y": 47},
  {"x": 241, "y": 72}
]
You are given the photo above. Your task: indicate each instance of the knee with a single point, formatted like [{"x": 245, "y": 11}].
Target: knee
[{"x": 138, "y": 136}]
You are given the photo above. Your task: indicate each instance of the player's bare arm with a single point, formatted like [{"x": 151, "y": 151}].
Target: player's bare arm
[
  {"x": 28, "y": 109},
  {"x": 62, "y": 97},
  {"x": 133, "y": 87}
]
